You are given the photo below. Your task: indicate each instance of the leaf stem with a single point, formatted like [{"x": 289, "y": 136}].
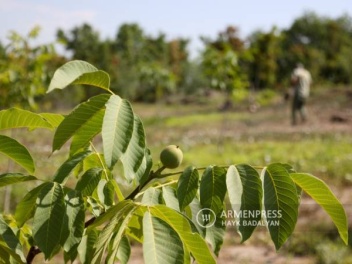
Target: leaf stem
[
  {"x": 110, "y": 91},
  {"x": 100, "y": 160},
  {"x": 180, "y": 172},
  {"x": 133, "y": 194},
  {"x": 152, "y": 176},
  {"x": 202, "y": 168},
  {"x": 159, "y": 186}
]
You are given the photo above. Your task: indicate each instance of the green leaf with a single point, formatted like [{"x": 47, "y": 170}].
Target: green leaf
[
  {"x": 16, "y": 118},
  {"x": 117, "y": 190},
  {"x": 89, "y": 181},
  {"x": 213, "y": 188},
  {"x": 134, "y": 160},
  {"x": 17, "y": 152},
  {"x": 79, "y": 72},
  {"x": 26, "y": 207},
  {"x": 245, "y": 194},
  {"x": 53, "y": 119},
  {"x": 49, "y": 229},
  {"x": 122, "y": 213},
  {"x": 65, "y": 169},
  {"x": 170, "y": 199},
  {"x": 93, "y": 161},
  {"x": 186, "y": 255},
  {"x": 187, "y": 186},
  {"x": 192, "y": 241},
  {"x": 280, "y": 203},
  {"x": 135, "y": 226},
  {"x": 322, "y": 194},
  {"x": 86, "y": 247},
  {"x": 7, "y": 255},
  {"x": 12, "y": 242},
  {"x": 124, "y": 251},
  {"x": 75, "y": 220},
  {"x": 12, "y": 178},
  {"x": 161, "y": 244},
  {"x": 110, "y": 213},
  {"x": 106, "y": 192},
  {"x": 215, "y": 234},
  {"x": 117, "y": 129},
  {"x": 5, "y": 252},
  {"x": 149, "y": 164},
  {"x": 234, "y": 188},
  {"x": 84, "y": 122},
  {"x": 151, "y": 196},
  {"x": 97, "y": 207},
  {"x": 193, "y": 210},
  {"x": 118, "y": 238}
]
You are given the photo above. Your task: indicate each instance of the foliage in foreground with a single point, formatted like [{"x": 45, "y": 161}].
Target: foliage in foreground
[{"x": 84, "y": 212}]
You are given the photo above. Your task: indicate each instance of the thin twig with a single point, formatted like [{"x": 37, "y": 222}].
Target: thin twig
[{"x": 33, "y": 251}]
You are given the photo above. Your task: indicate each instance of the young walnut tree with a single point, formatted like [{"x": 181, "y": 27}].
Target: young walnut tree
[{"x": 178, "y": 216}]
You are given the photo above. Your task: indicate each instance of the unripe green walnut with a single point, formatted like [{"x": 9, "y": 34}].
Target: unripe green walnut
[{"x": 171, "y": 156}]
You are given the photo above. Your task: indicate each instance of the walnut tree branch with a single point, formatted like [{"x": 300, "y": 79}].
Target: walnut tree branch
[{"x": 34, "y": 250}]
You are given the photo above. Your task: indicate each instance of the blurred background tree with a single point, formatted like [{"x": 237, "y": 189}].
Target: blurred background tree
[
  {"x": 25, "y": 70},
  {"x": 137, "y": 63},
  {"x": 153, "y": 68},
  {"x": 221, "y": 63},
  {"x": 322, "y": 44},
  {"x": 265, "y": 51}
]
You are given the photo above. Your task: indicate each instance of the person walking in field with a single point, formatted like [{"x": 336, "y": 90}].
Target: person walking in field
[{"x": 301, "y": 80}]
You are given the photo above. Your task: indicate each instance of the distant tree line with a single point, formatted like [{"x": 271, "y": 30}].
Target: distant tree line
[{"x": 147, "y": 68}]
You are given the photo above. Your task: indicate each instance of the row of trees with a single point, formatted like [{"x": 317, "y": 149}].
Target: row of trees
[
  {"x": 141, "y": 67},
  {"x": 25, "y": 70},
  {"x": 144, "y": 67}
]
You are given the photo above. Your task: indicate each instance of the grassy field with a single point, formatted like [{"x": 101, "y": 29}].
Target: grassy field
[{"x": 207, "y": 136}]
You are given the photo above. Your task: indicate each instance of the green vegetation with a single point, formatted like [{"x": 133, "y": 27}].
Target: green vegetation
[
  {"x": 82, "y": 209},
  {"x": 24, "y": 70},
  {"x": 143, "y": 68},
  {"x": 153, "y": 68}
]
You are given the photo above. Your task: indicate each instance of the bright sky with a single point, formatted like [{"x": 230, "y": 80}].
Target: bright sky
[{"x": 182, "y": 18}]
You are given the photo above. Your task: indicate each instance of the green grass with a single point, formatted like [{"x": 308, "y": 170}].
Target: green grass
[
  {"x": 213, "y": 137},
  {"x": 320, "y": 155},
  {"x": 203, "y": 119}
]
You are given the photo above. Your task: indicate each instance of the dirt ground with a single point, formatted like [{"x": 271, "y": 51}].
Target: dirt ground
[
  {"x": 324, "y": 116},
  {"x": 242, "y": 255}
]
